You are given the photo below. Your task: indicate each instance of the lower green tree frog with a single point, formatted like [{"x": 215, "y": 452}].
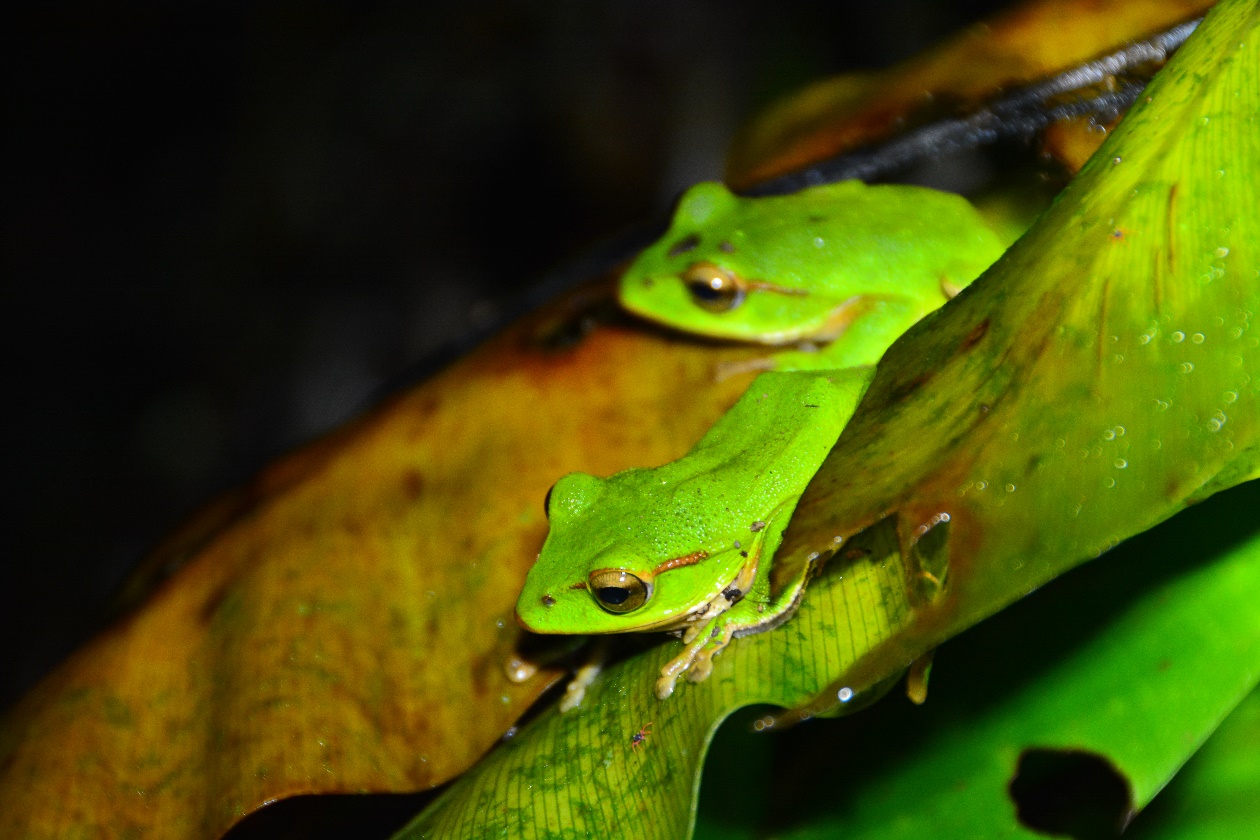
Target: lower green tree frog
[{"x": 687, "y": 546}]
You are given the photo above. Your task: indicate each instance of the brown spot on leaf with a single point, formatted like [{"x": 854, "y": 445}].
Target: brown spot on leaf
[
  {"x": 977, "y": 332},
  {"x": 1170, "y": 225},
  {"x": 905, "y": 389},
  {"x": 212, "y": 604},
  {"x": 413, "y": 484}
]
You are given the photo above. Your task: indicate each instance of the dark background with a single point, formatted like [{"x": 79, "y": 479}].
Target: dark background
[{"x": 226, "y": 227}]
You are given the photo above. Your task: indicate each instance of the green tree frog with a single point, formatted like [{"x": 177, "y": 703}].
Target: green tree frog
[
  {"x": 687, "y": 546},
  {"x": 844, "y": 265}
]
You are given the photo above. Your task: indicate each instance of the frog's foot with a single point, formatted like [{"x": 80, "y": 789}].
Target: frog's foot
[
  {"x": 695, "y": 640},
  {"x": 703, "y": 665},
  {"x": 703, "y": 642},
  {"x": 584, "y": 676},
  {"x": 917, "y": 678}
]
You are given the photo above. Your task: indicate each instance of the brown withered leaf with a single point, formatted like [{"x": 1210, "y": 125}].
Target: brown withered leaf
[
  {"x": 330, "y": 627},
  {"x": 1072, "y": 142},
  {"x": 1031, "y": 41}
]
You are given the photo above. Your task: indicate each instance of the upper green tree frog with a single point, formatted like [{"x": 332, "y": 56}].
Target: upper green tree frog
[
  {"x": 687, "y": 546},
  {"x": 847, "y": 265}
]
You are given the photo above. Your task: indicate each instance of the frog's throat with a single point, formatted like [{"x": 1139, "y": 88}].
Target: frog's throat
[{"x": 732, "y": 591}]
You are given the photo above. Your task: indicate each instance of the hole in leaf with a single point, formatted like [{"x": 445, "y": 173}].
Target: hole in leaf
[{"x": 1071, "y": 792}]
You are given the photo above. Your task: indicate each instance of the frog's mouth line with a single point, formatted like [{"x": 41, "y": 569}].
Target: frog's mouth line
[
  {"x": 678, "y": 562},
  {"x": 678, "y": 622}
]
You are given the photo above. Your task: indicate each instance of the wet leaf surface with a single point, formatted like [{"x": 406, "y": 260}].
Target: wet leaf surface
[{"x": 1072, "y": 142}]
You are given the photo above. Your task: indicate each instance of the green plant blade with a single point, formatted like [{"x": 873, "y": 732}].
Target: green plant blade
[
  {"x": 1215, "y": 794},
  {"x": 1135, "y": 670},
  {"x": 1094, "y": 382}
]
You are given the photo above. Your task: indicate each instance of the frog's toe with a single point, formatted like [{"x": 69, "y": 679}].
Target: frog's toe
[
  {"x": 573, "y": 696},
  {"x": 703, "y": 665},
  {"x": 701, "y": 669},
  {"x": 665, "y": 686}
]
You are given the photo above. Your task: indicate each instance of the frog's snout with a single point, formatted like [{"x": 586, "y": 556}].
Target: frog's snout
[{"x": 546, "y": 600}]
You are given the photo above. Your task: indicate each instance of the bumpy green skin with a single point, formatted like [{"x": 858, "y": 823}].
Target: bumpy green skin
[
  {"x": 730, "y": 497},
  {"x": 846, "y": 263}
]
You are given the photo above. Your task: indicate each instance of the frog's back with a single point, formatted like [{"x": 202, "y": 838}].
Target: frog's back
[{"x": 851, "y": 239}]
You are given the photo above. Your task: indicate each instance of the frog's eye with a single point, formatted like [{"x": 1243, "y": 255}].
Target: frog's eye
[
  {"x": 712, "y": 288},
  {"x": 617, "y": 591}
]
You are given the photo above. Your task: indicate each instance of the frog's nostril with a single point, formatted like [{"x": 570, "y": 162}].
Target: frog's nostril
[{"x": 548, "y": 601}]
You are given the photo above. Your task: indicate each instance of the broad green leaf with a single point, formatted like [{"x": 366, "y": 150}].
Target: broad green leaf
[
  {"x": 1215, "y": 794},
  {"x": 1094, "y": 382},
  {"x": 1135, "y": 659}
]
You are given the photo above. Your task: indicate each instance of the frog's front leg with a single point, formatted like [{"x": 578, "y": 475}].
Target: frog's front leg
[
  {"x": 596, "y": 657},
  {"x": 756, "y": 611},
  {"x": 710, "y": 636}
]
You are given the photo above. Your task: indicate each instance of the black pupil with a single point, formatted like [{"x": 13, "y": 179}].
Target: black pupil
[
  {"x": 613, "y": 595},
  {"x": 706, "y": 291}
]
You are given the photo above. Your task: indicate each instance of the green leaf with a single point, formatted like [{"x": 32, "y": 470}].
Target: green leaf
[
  {"x": 1149, "y": 650},
  {"x": 1215, "y": 794},
  {"x": 1094, "y": 382}
]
